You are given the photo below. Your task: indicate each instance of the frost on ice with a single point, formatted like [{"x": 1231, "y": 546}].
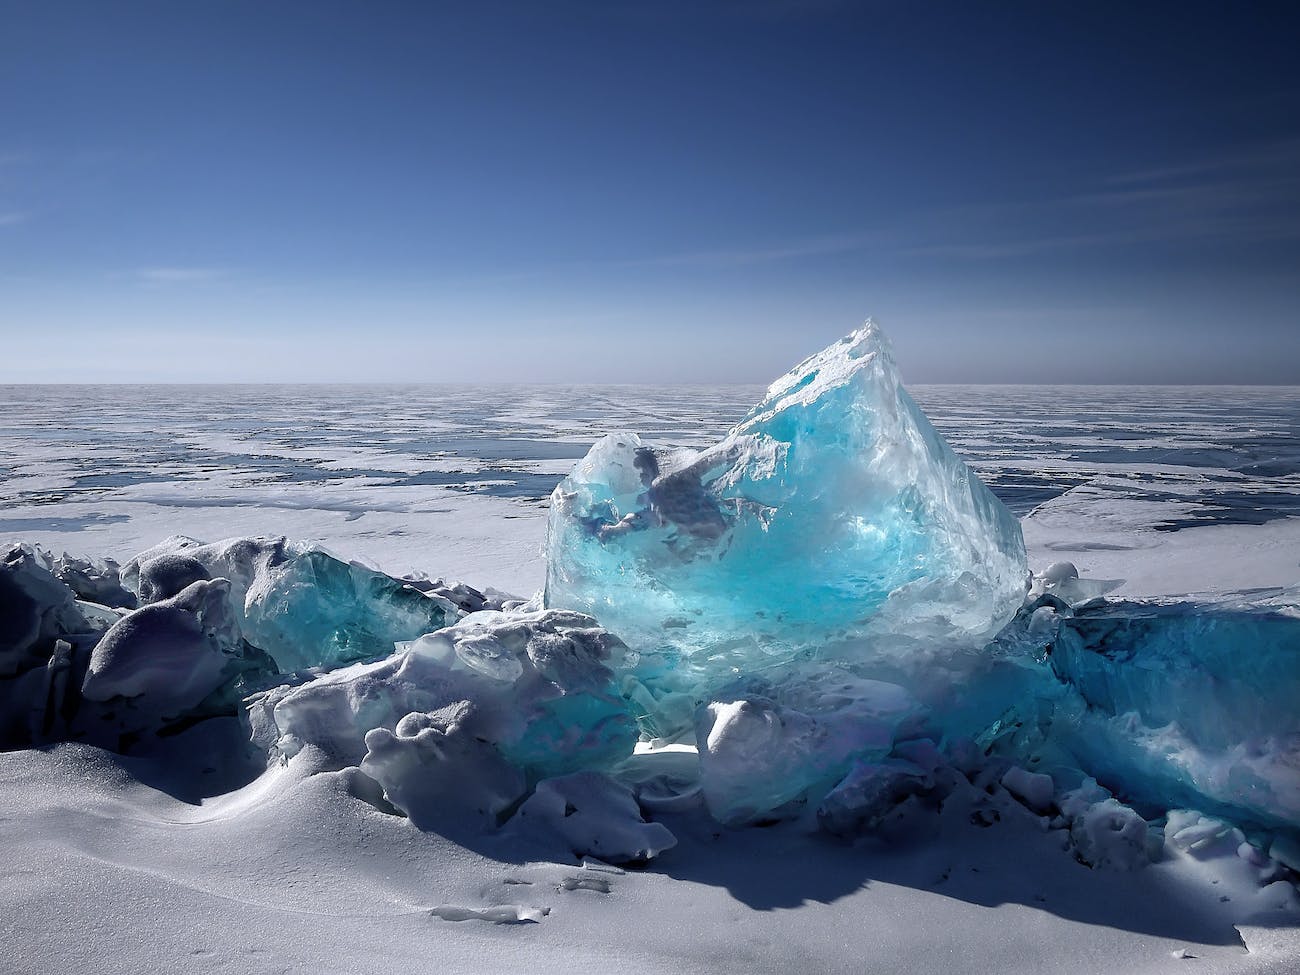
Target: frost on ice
[{"x": 833, "y": 511}]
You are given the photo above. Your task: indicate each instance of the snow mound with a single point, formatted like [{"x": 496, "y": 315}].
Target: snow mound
[
  {"x": 595, "y": 816},
  {"x": 434, "y": 769},
  {"x": 534, "y": 685},
  {"x": 175, "y": 652}
]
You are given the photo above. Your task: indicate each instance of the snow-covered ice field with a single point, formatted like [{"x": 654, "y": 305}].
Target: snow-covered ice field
[
  {"x": 453, "y": 480},
  {"x": 109, "y": 867}
]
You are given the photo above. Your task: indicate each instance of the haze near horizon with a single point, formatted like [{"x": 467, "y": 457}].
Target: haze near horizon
[{"x": 665, "y": 192}]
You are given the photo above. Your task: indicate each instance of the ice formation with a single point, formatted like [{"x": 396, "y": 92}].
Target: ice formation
[
  {"x": 300, "y": 605},
  {"x": 174, "y": 652},
  {"x": 595, "y": 816},
  {"x": 833, "y": 512},
  {"x": 433, "y": 767},
  {"x": 46, "y": 636},
  {"x": 536, "y": 686},
  {"x": 38, "y": 611},
  {"x": 826, "y": 616},
  {"x": 1105, "y": 832},
  {"x": 763, "y": 746},
  {"x": 1186, "y": 703}
]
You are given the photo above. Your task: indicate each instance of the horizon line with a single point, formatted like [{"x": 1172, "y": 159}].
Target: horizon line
[{"x": 556, "y": 383}]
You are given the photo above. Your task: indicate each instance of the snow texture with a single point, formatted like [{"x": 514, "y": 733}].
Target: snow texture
[{"x": 536, "y": 686}]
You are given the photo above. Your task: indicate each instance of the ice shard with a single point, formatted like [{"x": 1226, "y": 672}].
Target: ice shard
[
  {"x": 834, "y": 511},
  {"x": 299, "y": 604},
  {"x": 314, "y": 610},
  {"x": 1186, "y": 704}
]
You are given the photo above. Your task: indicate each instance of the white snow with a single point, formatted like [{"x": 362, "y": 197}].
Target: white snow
[
  {"x": 1109, "y": 539},
  {"x": 105, "y": 875}
]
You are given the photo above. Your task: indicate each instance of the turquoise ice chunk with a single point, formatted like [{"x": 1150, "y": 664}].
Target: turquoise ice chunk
[
  {"x": 313, "y": 610},
  {"x": 1187, "y": 704},
  {"x": 833, "y": 512}
]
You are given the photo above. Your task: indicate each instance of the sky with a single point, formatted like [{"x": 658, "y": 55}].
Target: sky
[{"x": 1031, "y": 192}]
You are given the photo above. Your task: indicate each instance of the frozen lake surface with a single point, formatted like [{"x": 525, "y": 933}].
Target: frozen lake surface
[
  {"x": 453, "y": 480},
  {"x": 1173, "y": 490}
]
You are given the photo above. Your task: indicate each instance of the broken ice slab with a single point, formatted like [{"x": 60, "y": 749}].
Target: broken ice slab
[
  {"x": 315, "y": 610},
  {"x": 46, "y": 635},
  {"x": 299, "y": 604},
  {"x": 535, "y": 686},
  {"x": 1186, "y": 704},
  {"x": 834, "y": 510},
  {"x": 36, "y": 611}
]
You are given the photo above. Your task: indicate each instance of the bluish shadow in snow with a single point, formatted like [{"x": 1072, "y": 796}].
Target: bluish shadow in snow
[{"x": 1008, "y": 863}]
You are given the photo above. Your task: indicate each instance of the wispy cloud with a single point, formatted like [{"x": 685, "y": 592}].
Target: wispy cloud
[
  {"x": 1247, "y": 197},
  {"x": 13, "y": 218},
  {"x": 179, "y": 275},
  {"x": 776, "y": 253},
  {"x": 1268, "y": 156},
  {"x": 1009, "y": 248}
]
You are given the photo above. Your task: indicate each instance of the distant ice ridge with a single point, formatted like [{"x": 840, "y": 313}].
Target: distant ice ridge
[{"x": 833, "y": 512}]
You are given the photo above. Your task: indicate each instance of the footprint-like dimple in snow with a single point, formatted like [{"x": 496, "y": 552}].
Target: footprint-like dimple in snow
[
  {"x": 598, "y": 884},
  {"x": 500, "y": 914}
]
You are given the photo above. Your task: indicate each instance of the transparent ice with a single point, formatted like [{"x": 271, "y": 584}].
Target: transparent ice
[
  {"x": 298, "y": 604},
  {"x": 1186, "y": 703},
  {"x": 833, "y": 511}
]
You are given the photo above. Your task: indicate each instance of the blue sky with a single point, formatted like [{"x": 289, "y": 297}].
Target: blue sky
[{"x": 626, "y": 192}]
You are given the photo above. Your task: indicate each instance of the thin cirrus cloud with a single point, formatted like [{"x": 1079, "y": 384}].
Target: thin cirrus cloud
[
  {"x": 1246, "y": 197},
  {"x": 179, "y": 275},
  {"x": 1282, "y": 155},
  {"x": 1012, "y": 248},
  {"x": 740, "y": 257},
  {"x": 13, "y": 218},
  {"x": 1243, "y": 198}
]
